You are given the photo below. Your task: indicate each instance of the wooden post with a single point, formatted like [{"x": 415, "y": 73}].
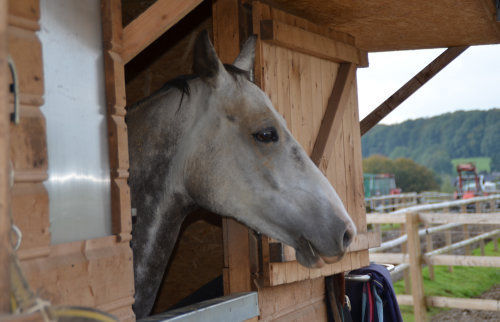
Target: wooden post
[
  {"x": 404, "y": 249},
  {"x": 463, "y": 209},
  {"x": 415, "y": 254},
  {"x": 226, "y": 31},
  {"x": 429, "y": 248},
  {"x": 114, "y": 74},
  {"x": 5, "y": 253},
  {"x": 447, "y": 234}
]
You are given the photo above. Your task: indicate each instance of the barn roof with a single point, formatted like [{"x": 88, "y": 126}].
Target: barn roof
[{"x": 386, "y": 25}]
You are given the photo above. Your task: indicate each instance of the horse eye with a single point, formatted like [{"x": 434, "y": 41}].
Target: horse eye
[{"x": 266, "y": 135}]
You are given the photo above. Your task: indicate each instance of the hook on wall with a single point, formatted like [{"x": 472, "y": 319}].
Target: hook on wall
[{"x": 14, "y": 88}]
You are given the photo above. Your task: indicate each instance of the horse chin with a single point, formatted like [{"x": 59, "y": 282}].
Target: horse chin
[{"x": 307, "y": 255}]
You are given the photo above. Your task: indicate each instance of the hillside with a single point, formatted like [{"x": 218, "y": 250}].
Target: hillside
[{"x": 435, "y": 141}]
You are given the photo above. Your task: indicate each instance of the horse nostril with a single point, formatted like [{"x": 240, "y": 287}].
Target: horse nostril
[{"x": 348, "y": 236}]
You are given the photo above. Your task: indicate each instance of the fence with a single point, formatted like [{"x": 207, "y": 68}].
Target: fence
[
  {"x": 389, "y": 203},
  {"x": 437, "y": 217}
]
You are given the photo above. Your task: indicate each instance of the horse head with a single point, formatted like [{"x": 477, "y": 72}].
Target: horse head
[{"x": 238, "y": 159}]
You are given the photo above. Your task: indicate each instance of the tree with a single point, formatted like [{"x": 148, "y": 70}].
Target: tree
[
  {"x": 378, "y": 164},
  {"x": 413, "y": 177},
  {"x": 410, "y": 176}
]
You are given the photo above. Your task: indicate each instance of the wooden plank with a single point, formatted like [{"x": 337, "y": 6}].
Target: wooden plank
[
  {"x": 280, "y": 252},
  {"x": 358, "y": 209},
  {"x": 152, "y": 23},
  {"x": 459, "y": 260},
  {"x": 461, "y": 218},
  {"x": 235, "y": 236},
  {"x": 27, "y": 9},
  {"x": 461, "y": 303},
  {"x": 93, "y": 273},
  {"x": 375, "y": 218},
  {"x": 28, "y": 147},
  {"x": 4, "y": 166},
  {"x": 414, "y": 252},
  {"x": 410, "y": 87},
  {"x": 305, "y": 116},
  {"x": 310, "y": 43},
  {"x": 337, "y": 105},
  {"x": 31, "y": 198},
  {"x": 295, "y": 99},
  {"x": 450, "y": 302},
  {"x": 26, "y": 50},
  {"x": 114, "y": 74},
  {"x": 283, "y": 83}
]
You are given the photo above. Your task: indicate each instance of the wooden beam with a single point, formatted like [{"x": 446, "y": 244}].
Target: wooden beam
[
  {"x": 410, "y": 87},
  {"x": 462, "y": 218},
  {"x": 5, "y": 223},
  {"x": 337, "y": 104},
  {"x": 460, "y": 260},
  {"x": 152, "y": 23},
  {"x": 310, "y": 43},
  {"x": 415, "y": 254},
  {"x": 279, "y": 252}
]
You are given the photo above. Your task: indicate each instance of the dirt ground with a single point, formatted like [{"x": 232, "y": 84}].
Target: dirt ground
[{"x": 458, "y": 315}]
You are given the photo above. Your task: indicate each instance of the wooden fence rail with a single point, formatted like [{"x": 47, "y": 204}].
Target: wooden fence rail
[{"x": 413, "y": 257}]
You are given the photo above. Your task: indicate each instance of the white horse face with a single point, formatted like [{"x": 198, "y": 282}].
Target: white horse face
[{"x": 244, "y": 163}]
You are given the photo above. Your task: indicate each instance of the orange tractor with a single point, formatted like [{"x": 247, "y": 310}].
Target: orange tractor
[{"x": 468, "y": 184}]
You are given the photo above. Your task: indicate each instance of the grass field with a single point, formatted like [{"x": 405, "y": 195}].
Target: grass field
[
  {"x": 465, "y": 282},
  {"x": 482, "y": 163}
]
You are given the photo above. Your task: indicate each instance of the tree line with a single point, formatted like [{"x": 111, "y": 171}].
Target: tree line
[{"x": 434, "y": 142}]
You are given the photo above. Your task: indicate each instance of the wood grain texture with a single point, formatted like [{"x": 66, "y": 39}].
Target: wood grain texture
[
  {"x": 389, "y": 25},
  {"x": 285, "y": 35},
  {"x": 4, "y": 165},
  {"x": 114, "y": 76},
  {"x": 414, "y": 251},
  {"x": 152, "y": 23}
]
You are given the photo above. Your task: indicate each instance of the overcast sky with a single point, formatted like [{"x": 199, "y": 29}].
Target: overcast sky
[{"x": 471, "y": 81}]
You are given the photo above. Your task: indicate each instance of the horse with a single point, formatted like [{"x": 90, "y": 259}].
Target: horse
[{"x": 213, "y": 140}]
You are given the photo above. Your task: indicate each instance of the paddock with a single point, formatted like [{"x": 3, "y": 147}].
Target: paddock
[
  {"x": 437, "y": 218},
  {"x": 306, "y": 60}
]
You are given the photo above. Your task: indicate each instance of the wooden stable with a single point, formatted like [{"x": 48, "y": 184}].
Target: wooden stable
[{"x": 307, "y": 55}]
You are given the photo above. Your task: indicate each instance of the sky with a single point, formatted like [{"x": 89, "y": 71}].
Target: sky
[{"x": 470, "y": 82}]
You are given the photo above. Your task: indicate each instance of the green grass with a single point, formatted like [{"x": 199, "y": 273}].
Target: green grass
[
  {"x": 482, "y": 163},
  {"x": 465, "y": 282}
]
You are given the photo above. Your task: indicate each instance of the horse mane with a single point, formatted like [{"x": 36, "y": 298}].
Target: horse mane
[{"x": 181, "y": 83}]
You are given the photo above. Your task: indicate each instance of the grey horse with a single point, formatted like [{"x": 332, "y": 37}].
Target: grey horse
[{"x": 214, "y": 140}]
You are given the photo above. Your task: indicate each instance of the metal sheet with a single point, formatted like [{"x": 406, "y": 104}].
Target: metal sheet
[
  {"x": 75, "y": 111},
  {"x": 235, "y": 307}
]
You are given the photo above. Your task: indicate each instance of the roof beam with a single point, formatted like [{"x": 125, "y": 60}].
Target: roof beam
[
  {"x": 152, "y": 23},
  {"x": 410, "y": 87}
]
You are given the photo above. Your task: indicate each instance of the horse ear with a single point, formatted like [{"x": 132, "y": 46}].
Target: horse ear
[
  {"x": 246, "y": 58},
  {"x": 206, "y": 63}
]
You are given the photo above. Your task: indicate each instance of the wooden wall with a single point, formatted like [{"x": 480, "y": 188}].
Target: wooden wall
[
  {"x": 299, "y": 76},
  {"x": 95, "y": 273}
]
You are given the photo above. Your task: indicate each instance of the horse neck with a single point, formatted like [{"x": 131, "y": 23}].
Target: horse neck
[{"x": 155, "y": 131}]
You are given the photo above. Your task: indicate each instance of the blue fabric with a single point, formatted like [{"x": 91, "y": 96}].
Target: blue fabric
[
  {"x": 379, "y": 305},
  {"x": 381, "y": 281}
]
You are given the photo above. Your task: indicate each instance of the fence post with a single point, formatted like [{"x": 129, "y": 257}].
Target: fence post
[
  {"x": 447, "y": 234},
  {"x": 429, "y": 247},
  {"x": 404, "y": 248},
  {"x": 463, "y": 209},
  {"x": 415, "y": 254}
]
